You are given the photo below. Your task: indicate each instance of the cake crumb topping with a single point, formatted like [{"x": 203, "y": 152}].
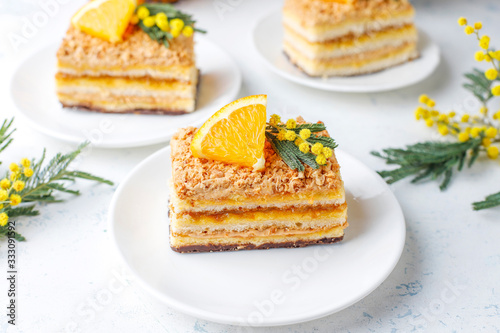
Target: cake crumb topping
[
  {"x": 316, "y": 12},
  {"x": 81, "y": 50},
  {"x": 197, "y": 178}
]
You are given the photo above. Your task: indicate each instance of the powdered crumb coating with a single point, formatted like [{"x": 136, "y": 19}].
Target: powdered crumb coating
[
  {"x": 81, "y": 50},
  {"x": 318, "y": 12},
  {"x": 196, "y": 179}
]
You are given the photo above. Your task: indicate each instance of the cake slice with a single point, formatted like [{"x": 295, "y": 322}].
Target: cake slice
[
  {"x": 344, "y": 38},
  {"x": 218, "y": 206},
  {"x": 135, "y": 75}
]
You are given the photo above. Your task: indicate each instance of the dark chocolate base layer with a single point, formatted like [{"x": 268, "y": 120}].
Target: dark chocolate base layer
[
  {"x": 265, "y": 246},
  {"x": 133, "y": 111}
]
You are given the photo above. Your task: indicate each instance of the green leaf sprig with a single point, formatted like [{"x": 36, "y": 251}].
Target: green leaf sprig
[
  {"x": 297, "y": 144},
  {"x": 490, "y": 201},
  {"x": 479, "y": 133},
  {"x": 429, "y": 160},
  {"x": 479, "y": 85},
  {"x": 5, "y": 134},
  {"x": 154, "y": 18},
  {"x": 34, "y": 181}
]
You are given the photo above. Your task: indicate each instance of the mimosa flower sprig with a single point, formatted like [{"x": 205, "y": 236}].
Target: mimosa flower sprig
[
  {"x": 33, "y": 181},
  {"x": 162, "y": 22},
  {"x": 473, "y": 134},
  {"x": 297, "y": 144}
]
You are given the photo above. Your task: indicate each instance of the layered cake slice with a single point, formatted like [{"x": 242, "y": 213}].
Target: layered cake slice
[
  {"x": 269, "y": 198},
  {"x": 344, "y": 38},
  {"x": 148, "y": 68}
]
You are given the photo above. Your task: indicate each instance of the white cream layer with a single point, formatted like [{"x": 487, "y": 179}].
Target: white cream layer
[
  {"x": 354, "y": 46},
  {"x": 356, "y": 27}
]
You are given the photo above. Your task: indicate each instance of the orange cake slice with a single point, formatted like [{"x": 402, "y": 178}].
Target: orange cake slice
[
  {"x": 134, "y": 75},
  {"x": 220, "y": 206},
  {"x": 343, "y": 38}
]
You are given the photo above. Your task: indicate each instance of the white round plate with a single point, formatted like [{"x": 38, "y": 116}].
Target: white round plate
[
  {"x": 268, "y": 40},
  {"x": 33, "y": 92},
  {"x": 259, "y": 287}
]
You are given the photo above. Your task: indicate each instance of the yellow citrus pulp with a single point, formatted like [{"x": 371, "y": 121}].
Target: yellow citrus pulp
[
  {"x": 106, "y": 19},
  {"x": 235, "y": 134}
]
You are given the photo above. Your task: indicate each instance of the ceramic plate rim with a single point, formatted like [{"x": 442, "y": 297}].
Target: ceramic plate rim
[
  {"x": 316, "y": 83},
  {"x": 228, "y": 319}
]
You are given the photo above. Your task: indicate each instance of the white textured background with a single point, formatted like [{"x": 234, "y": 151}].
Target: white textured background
[{"x": 447, "y": 278}]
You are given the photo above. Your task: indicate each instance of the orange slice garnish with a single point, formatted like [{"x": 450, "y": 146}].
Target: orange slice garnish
[
  {"x": 235, "y": 134},
  {"x": 105, "y": 19}
]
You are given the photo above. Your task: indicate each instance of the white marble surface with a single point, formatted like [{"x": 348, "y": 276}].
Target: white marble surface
[{"x": 446, "y": 280}]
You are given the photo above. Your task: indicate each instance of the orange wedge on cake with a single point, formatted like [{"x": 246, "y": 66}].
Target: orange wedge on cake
[
  {"x": 105, "y": 19},
  {"x": 235, "y": 134}
]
